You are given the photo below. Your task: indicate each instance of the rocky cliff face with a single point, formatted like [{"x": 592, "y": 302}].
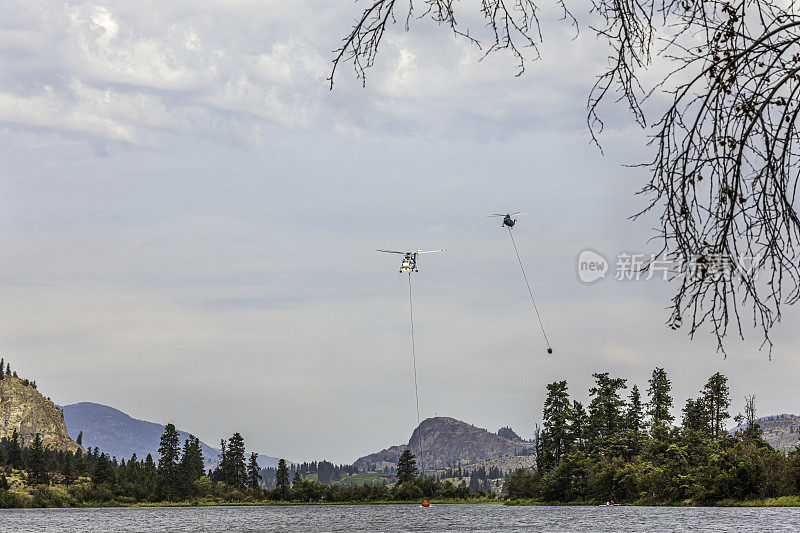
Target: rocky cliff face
[
  {"x": 448, "y": 442},
  {"x": 23, "y": 408}
]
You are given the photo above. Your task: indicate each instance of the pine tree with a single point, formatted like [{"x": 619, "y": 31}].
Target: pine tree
[
  {"x": 169, "y": 485},
  {"x": 555, "y": 435},
  {"x": 8, "y": 369},
  {"x": 192, "y": 466},
  {"x": 406, "y": 467},
  {"x": 605, "y": 408},
  {"x": 253, "y": 472},
  {"x": 634, "y": 421},
  {"x": 221, "y": 473},
  {"x": 79, "y": 440},
  {"x": 2, "y": 366},
  {"x": 282, "y": 479},
  {"x": 37, "y": 467},
  {"x": 103, "y": 472},
  {"x": 634, "y": 415},
  {"x": 695, "y": 416},
  {"x": 296, "y": 479},
  {"x": 67, "y": 469},
  {"x": 14, "y": 451},
  {"x": 660, "y": 399},
  {"x": 717, "y": 398},
  {"x": 80, "y": 462},
  {"x": 236, "y": 469}
]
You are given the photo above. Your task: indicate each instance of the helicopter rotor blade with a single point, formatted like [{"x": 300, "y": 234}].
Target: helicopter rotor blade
[
  {"x": 429, "y": 251},
  {"x": 392, "y": 252},
  {"x": 517, "y": 213},
  {"x": 495, "y": 215}
]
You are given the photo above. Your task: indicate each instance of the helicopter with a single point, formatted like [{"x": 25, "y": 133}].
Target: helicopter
[
  {"x": 409, "y": 263},
  {"x": 507, "y": 220}
]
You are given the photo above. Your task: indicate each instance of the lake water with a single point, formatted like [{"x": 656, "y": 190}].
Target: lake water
[{"x": 402, "y": 518}]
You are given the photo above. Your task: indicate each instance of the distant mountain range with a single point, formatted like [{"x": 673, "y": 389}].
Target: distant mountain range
[
  {"x": 443, "y": 442},
  {"x": 120, "y": 435}
]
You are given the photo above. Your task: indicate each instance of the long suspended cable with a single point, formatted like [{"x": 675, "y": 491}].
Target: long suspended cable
[
  {"x": 530, "y": 291},
  {"x": 416, "y": 387}
]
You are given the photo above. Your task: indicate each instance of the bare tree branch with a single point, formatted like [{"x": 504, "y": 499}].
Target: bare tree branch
[{"x": 725, "y": 168}]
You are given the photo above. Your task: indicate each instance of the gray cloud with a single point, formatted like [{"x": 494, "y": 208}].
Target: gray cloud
[{"x": 188, "y": 219}]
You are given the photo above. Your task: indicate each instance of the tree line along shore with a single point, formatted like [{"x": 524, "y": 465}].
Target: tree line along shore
[{"x": 618, "y": 448}]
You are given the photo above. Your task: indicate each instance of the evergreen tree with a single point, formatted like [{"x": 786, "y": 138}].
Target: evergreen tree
[
  {"x": 555, "y": 434},
  {"x": 660, "y": 399},
  {"x": 192, "y": 466},
  {"x": 221, "y": 473},
  {"x": 282, "y": 479},
  {"x": 103, "y": 472},
  {"x": 577, "y": 424},
  {"x": 2, "y": 366},
  {"x": 406, "y": 467},
  {"x": 253, "y": 473},
  {"x": 79, "y": 440},
  {"x": 296, "y": 479},
  {"x": 605, "y": 407},
  {"x": 634, "y": 421},
  {"x": 8, "y": 369},
  {"x": 14, "y": 451},
  {"x": 717, "y": 398},
  {"x": 3, "y": 481},
  {"x": 169, "y": 481},
  {"x": 37, "y": 466},
  {"x": 67, "y": 469},
  {"x": 236, "y": 469},
  {"x": 80, "y": 462},
  {"x": 634, "y": 415}
]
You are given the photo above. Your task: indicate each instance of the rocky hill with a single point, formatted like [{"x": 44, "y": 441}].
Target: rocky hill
[
  {"x": 120, "y": 435},
  {"x": 24, "y": 409},
  {"x": 780, "y": 431},
  {"x": 447, "y": 443}
]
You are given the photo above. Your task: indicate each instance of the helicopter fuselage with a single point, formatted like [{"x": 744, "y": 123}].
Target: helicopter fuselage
[
  {"x": 409, "y": 263},
  {"x": 508, "y": 221}
]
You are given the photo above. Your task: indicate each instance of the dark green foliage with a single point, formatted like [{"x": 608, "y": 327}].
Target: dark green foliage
[
  {"x": 169, "y": 474},
  {"x": 282, "y": 480},
  {"x": 253, "y": 472},
  {"x": 717, "y": 398},
  {"x": 3, "y": 481},
  {"x": 660, "y": 399},
  {"x": 68, "y": 469},
  {"x": 606, "y": 415},
  {"x": 695, "y": 416},
  {"x": 79, "y": 440},
  {"x": 556, "y": 435},
  {"x": 406, "y": 467},
  {"x": 37, "y": 463},
  {"x": 192, "y": 466},
  {"x": 235, "y": 468},
  {"x": 102, "y": 471},
  {"x": 697, "y": 463},
  {"x": 14, "y": 451}
]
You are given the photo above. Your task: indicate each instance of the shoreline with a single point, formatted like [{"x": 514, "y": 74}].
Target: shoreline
[{"x": 784, "y": 501}]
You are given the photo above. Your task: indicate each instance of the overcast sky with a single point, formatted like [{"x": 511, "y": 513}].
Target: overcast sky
[{"x": 189, "y": 218}]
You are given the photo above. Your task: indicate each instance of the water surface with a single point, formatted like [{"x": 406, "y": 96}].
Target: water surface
[{"x": 486, "y": 517}]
